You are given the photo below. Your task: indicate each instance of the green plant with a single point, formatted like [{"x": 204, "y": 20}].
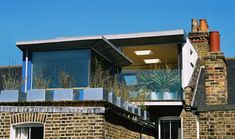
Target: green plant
[
  {"x": 11, "y": 80},
  {"x": 41, "y": 82},
  {"x": 101, "y": 77},
  {"x": 65, "y": 80},
  {"x": 159, "y": 80},
  {"x": 120, "y": 89}
]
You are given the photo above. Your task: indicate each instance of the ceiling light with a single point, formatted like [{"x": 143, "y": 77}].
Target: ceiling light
[
  {"x": 143, "y": 52},
  {"x": 152, "y": 61}
]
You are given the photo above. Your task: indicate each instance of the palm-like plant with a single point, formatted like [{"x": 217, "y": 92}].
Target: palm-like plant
[
  {"x": 158, "y": 80},
  {"x": 165, "y": 79}
]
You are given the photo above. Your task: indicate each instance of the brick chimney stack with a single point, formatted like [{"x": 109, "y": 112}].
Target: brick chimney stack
[
  {"x": 208, "y": 48},
  {"x": 216, "y": 73},
  {"x": 199, "y": 37}
]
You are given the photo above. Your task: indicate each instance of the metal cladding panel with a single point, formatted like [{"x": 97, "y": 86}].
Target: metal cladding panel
[
  {"x": 23, "y": 73},
  {"x": 29, "y": 82}
]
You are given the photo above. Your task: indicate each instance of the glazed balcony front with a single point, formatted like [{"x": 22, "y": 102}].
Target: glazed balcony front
[
  {"x": 155, "y": 73},
  {"x": 153, "y": 85}
]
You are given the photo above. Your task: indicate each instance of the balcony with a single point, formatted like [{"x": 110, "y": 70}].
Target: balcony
[{"x": 154, "y": 85}]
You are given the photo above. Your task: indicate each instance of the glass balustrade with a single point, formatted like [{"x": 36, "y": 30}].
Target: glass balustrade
[{"x": 162, "y": 84}]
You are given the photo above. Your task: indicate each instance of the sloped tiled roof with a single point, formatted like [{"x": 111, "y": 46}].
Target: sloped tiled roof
[
  {"x": 231, "y": 80},
  {"x": 199, "y": 98}
]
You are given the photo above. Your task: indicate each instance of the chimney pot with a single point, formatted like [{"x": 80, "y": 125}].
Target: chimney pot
[
  {"x": 203, "y": 25},
  {"x": 194, "y": 27},
  {"x": 214, "y": 41}
]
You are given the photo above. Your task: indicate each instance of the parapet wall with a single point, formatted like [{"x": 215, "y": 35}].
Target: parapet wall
[{"x": 94, "y": 119}]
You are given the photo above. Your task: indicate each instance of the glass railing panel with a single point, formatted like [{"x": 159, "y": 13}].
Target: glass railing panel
[{"x": 162, "y": 84}]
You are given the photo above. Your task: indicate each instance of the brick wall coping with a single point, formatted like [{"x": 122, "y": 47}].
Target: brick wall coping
[
  {"x": 54, "y": 109},
  {"x": 57, "y": 103},
  {"x": 214, "y": 108},
  {"x": 89, "y": 106},
  {"x": 49, "y": 105},
  {"x": 83, "y": 107}
]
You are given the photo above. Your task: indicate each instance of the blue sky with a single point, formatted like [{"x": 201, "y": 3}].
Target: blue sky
[{"x": 33, "y": 20}]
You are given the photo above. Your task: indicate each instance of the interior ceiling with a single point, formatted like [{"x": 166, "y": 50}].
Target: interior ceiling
[{"x": 168, "y": 54}]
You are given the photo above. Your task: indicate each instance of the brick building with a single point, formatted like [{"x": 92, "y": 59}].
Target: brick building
[
  {"x": 89, "y": 87},
  {"x": 209, "y": 99}
]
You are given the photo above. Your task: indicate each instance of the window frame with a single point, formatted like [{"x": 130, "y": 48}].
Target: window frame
[
  {"x": 169, "y": 118},
  {"x": 28, "y": 124}
]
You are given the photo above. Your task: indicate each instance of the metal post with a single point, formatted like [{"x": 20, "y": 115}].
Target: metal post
[{"x": 26, "y": 71}]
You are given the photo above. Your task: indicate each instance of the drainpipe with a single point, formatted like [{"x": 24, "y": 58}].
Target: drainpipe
[
  {"x": 141, "y": 131},
  {"x": 26, "y": 70},
  {"x": 198, "y": 129},
  {"x": 159, "y": 129}
]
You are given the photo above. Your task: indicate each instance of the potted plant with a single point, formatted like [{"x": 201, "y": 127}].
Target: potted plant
[
  {"x": 166, "y": 80},
  {"x": 66, "y": 90},
  {"x": 11, "y": 84},
  {"x": 159, "y": 83},
  {"x": 100, "y": 86},
  {"x": 39, "y": 92}
]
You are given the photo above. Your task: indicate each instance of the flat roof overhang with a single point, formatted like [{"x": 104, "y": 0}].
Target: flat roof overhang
[
  {"x": 110, "y": 52},
  {"x": 105, "y": 48}
]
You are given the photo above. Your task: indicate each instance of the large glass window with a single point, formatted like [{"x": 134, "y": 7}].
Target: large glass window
[{"x": 61, "y": 69}]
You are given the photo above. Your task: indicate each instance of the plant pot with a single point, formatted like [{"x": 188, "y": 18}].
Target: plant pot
[
  {"x": 138, "y": 111},
  {"x": 124, "y": 105},
  {"x": 131, "y": 107},
  {"x": 12, "y": 96},
  {"x": 156, "y": 96},
  {"x": 39, "y": 95},
  {"x": 63, "y": 94},
  {"x": 112, "y": 98},
  {"x": 119, "y": 102},
  {"x": 95, "y": 94},
  {"x": 169, "y": 95},
  {"x": 68, "y": 94}
]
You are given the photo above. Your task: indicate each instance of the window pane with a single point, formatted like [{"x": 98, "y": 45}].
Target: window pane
[
  {"x": 22, "y": 133},
  {"x": 36, "y": 133},
  {"x": 175, "y": 129},
  {"x": 51, "y": 64},
  {"x": 165, "y": 129}
]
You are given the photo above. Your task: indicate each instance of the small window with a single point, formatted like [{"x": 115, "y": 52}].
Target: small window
[
  {"x": 192, "y": 65},
  {"x": 169, "y": 128},
  {"x": 191, "y": 51},
  {"x": 27, "y": 131}
]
